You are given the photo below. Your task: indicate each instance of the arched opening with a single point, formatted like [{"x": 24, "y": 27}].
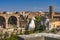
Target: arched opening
[
  {"x": 12, "y": 21},
  {"x": 2, "y": 22}
]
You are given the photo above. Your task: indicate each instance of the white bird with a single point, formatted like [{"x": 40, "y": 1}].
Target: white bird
[{"x": 32, "y": 24}]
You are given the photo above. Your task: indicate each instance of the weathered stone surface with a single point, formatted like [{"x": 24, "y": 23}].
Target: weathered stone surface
[
  {"x": 31, "y": 38},
  {"x": 39, "y": 36},
  {"x": 48, "y": 38}
]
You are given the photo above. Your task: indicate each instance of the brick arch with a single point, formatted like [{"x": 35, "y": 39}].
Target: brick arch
[
  {"x": 7, "y": 16},
  {"x": 12, "y": 15},
  {"x": 2, "y": 21},
  {"x": 4, "y": 16},
  {"x": 15, "y": 15},
  {"x": 12, "y": 20}
]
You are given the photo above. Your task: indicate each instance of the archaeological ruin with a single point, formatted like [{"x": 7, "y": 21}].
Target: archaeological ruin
[{"x": 15, "y": 22}]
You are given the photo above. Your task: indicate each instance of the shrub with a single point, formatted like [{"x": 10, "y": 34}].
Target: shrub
[
  {"x": 13, "y": 37},
  {"x": 42, "y": 27},
  {"x": 39, "y": 28},
  {"x": 37, "y": 23},
  {"x": 28, "y": 32}
]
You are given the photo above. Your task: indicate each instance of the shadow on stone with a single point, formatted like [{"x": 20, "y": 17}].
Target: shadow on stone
[{"x": 19, "y": 38}]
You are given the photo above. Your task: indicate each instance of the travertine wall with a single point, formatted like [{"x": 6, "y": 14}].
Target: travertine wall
[
  {"x": 17, "y": 15},
  {"x": 7, "y": 15}
]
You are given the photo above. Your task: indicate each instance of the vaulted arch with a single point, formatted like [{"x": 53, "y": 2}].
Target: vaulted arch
[
  {"x": 2, "y": 22},
  {"x": 12, "y": 21}
]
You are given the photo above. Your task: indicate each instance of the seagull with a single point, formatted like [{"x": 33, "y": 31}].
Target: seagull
[{"x": 32, "y": 24}]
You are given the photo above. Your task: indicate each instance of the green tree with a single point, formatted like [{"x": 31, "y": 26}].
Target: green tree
[
  {"x": 37, "y": 24},
  {"x": 39, "y": 28},
  {"x": 38, "y": 18}
]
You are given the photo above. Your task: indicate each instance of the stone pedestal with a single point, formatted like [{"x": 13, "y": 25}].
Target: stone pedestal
[
  {"x": 18, "y": 22},
  {"x": 6, "y": 23},
  {"x": 18, "y": 30}
]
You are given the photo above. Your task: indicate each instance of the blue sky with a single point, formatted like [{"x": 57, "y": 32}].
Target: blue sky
[{"x": 29, "y": 5}]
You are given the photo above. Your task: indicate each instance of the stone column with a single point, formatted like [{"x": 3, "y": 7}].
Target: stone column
[
  {"x": 18, "y": 22},
  {"x": 6, "y": 22}
]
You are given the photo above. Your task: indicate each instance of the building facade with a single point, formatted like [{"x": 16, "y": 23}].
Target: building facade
[{"x": 54, "y": 18}]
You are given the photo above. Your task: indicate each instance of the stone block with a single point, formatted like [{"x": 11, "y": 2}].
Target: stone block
[
  {"x": 48, "y": 38},
  {"x": 31, "y": 38}
]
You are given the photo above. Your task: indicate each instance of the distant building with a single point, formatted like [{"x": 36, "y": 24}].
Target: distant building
[{"x": 54, "y": 18}]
